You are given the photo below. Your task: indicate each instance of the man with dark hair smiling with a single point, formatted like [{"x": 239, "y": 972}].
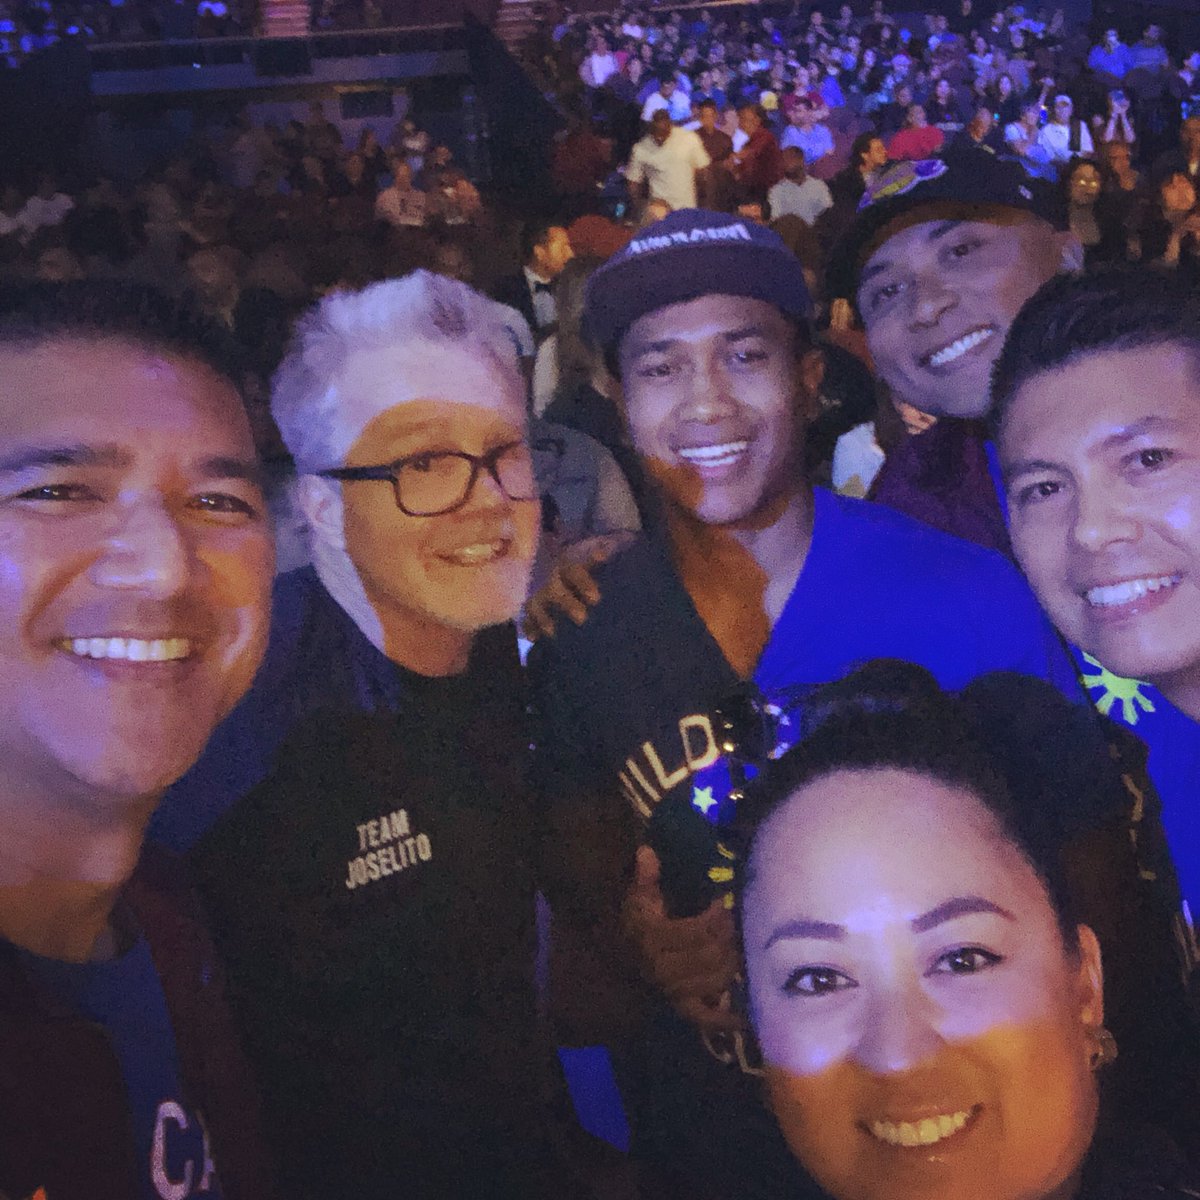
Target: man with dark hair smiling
[
  {"x": 941, "y": 257},
  {"x": 135, "y": 574},
  {"x": 750, "y": 584},
  {"x": 1097, "y": 396}
]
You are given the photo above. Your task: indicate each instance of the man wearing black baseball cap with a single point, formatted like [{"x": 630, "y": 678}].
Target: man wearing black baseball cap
[
  {"x": 943, "y": 254},
  {"x": 749, "y": 587}
]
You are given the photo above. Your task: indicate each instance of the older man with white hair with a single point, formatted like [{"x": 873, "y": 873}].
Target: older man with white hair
[{"x": 369, "y": 862}]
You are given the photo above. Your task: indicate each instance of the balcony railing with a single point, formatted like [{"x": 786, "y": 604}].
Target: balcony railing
[{"x": 234, "y": 51}]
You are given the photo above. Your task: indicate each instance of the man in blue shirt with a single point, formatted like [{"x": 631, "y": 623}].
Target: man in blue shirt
[
  {"x": 1149, "y": 54},
  {"x": 1110, "y": 57},
  {"x": 1097, "y": 397},
  {"x": 135, "y": 573},
  {"x": 750, "y": 588}
]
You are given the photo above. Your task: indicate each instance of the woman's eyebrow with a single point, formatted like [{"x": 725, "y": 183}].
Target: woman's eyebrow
[
  {"x": 948, "y": 910},
  {"x": 957, "y": 906}
]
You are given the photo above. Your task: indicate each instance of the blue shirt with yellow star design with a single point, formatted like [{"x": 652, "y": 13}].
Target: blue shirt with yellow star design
[{"x": 1173, "y": 740}]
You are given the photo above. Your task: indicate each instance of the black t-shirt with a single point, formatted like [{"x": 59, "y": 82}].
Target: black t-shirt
[{"x": 374, "y": 900}]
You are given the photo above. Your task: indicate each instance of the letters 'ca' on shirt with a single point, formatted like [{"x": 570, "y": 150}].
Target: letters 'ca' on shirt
[{"x": 124, "y": 997}]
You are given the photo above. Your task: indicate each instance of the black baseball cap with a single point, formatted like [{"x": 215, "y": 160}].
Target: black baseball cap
[
  {"x": 967, "y": 176},
  {"x": 688, "y": 254}
]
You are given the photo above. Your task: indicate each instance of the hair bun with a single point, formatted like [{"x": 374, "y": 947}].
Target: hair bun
[{"x": 884, "y": 685}]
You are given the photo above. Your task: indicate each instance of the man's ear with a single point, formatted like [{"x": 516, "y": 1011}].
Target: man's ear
[
  {"x": 811, "y": 371},
  {"x": 1071, "y": 249},
  {"x": 320, "y": 500},
  {"x": 1090, "y": 979}
]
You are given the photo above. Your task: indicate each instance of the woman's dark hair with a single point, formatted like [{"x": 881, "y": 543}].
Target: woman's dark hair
[{"x": 1036, "y": 761}]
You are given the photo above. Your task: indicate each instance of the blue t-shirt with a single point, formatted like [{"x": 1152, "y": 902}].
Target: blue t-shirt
[
  {"x": 124, "y": 996},
  {"x": 1172, "y": 738},
  {"x": 626, "y": 707}
]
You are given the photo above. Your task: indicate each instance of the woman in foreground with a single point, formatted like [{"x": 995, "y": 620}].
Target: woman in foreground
[{"x": 929, "y": 1009}]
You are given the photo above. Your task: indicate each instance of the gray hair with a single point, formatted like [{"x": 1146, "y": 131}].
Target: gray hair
[{"x": 421, "y": 308}]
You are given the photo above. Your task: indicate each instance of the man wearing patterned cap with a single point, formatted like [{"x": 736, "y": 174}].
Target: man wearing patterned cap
[
  {"x": 750, "y": 585},
  {"x": 940, "y": 259}
]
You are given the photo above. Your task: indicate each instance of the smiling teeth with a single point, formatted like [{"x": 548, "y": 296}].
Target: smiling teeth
[
  {"x": 714, "y": 456},
  {"x": 1116, "y": 594},
  {"x": 926, "y": 1132},
  {"x": 481, "y": 552},
  {"x": 959, "y": 348},
  {"x": 130, "y": 649}
]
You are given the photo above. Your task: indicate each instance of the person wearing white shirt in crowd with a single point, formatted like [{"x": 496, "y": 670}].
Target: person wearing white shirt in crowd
[
  {"x": 1058, "y": 136},
  {"x": 807, "y": 135},
  {"x": 402, "y": 205},
  {"x": 671, "y": 99},
  {"x": 666, "y": 161},
  {"x": 1021, "y": 138},
  {"x": 47, "y": 207},
  {"x": 797, "y": 194},
  {"x": 600, "y": 65}
]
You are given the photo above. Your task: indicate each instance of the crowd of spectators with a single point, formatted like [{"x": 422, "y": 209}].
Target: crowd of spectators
[
  {"x": 787, "y": 118},
  {"x": 636, "y": 368},
  {"x": 28, "y": 26}
]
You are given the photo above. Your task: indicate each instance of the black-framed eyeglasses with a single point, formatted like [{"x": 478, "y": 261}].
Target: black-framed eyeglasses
[{"x": 436, "y": 482}]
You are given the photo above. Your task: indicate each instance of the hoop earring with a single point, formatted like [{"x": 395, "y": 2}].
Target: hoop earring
[{"x": 1104, "y": 1047}]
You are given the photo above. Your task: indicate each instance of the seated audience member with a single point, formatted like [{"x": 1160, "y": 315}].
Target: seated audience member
[
  {"x": 1185, "y": 159},
  {"x": 797, "y": 194},
  {"x": 806, "y": 134},
  {"x": 868, "y": 154},
  {"x": 758, "y": 164},
  {"x": 669, "y": 98},
  {"x": 1103, "y": 239},
  {"x": 1118, "y": 127},
  {"x": 716, "y": 181},
  {"x": 377, "y": 765},
  {"x": 1110, "y": 57},
  {"x": 1098, "y": 415},
  {"x": 917, "y": 139},
  {"x": 401, "y": 204},
  {"x": 981, "y": 131},
  {"x": 545, "y": 251},
  {"x": 939, "y": 261},
  {"x": 704, "y": 320},
  {"x": 922, "y": 970},
  {"x": 1120, "y": 191},
  {"x": 1168, "y": 232},
  {"x": 1065, "y": 136},
  {"x": 1021, "y": 138},
  {"x": 944, "y": 110},
  {"x": 137, "y": 561}
]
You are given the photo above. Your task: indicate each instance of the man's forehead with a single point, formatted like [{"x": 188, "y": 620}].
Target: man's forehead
[
  {"x": 398, "y": 387},
  {"x": 932, "y": 221},
  {"x": 84, "y": 370},
  {"x": 714, "y": 315}
]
